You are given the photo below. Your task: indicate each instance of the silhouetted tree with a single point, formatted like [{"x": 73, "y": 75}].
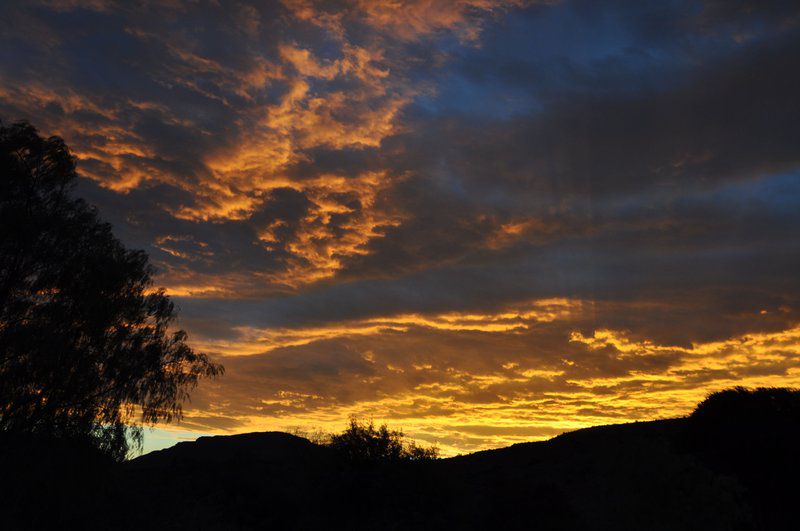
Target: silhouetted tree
[
  {"x": 86, "y": 344},
  {"x": 738, "y": 425},
  {"x": 752, "y": 434},
  {"x": 363, "y": 442}
]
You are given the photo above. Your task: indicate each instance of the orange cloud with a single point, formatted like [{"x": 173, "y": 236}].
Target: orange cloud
[
  {"x": 471, "y": 381},
  {"x": 405, "y": 19},
  {"x": 277, "y": 108},
  {"x": 256, "y": 341},
  {"x": 410, "y": 19},
  {"x": 320, "y": 244}
]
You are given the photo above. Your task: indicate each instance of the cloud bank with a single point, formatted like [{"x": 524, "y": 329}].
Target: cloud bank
[{"x": 484, "y": 221}]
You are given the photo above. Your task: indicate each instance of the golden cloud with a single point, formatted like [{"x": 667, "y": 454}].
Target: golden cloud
[
  {"x": 411, "y": 19},
  {"x": 277, "y": 107},
  {"x": 471, "y": 381},
  {"x": 258, "y": 341}
]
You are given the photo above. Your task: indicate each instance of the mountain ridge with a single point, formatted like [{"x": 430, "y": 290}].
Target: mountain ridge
[{"x": 731, "y": 465}]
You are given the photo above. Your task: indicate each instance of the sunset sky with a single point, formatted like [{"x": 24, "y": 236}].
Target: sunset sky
[{"x": 482, "y": 222}]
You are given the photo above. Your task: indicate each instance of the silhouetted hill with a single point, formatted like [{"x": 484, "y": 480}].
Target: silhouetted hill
[
  {"x": 714, "y": 470},
  {"x": 259, "y": 447},
  {"x": 611, "y": 477}
]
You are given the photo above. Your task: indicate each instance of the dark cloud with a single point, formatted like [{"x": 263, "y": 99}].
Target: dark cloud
[{"x": 366, "y": 199}]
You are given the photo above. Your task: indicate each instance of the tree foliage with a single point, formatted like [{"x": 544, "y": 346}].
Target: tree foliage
[
  {"x": 363, "y": 442},
  {"x": 752, "y": 435},
  {"x": 86, "y": 343},
  {"x": 745, "y": 420}
]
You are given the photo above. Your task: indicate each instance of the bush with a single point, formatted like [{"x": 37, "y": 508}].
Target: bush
[
  {"x": 363, "y": 442},
  {"x": 753, "y": 435},
  {"x": 742, "y": 424}
]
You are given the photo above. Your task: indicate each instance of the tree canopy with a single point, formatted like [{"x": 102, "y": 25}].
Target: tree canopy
[
  {"x": 363, "y": 442},
  {"x": 88, "y": 348}
]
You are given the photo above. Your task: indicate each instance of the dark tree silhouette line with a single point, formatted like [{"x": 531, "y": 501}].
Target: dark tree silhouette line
[
  {"x": 87, "y": 346},
  {"x": 363, "y": 442}
]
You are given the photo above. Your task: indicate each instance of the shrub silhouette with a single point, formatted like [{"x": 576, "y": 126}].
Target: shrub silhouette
[
  {"x": 363, "y": 442},
  {"x": 740, "y": 424},
  {"x": 753, "y": 435},
  {"x": 85, "y": 342}
]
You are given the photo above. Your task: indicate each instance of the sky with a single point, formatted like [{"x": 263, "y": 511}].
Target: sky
[{"x": 483, "y": 222}]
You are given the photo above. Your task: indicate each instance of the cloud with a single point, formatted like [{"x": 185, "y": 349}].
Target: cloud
[
  {"x": 491, "y": 220},
  {"x": 226, "y": 122},
  {"x": 498, "y": 378}
]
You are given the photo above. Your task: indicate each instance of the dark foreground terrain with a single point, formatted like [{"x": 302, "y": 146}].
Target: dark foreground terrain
[{"x": 731, "y": 466}]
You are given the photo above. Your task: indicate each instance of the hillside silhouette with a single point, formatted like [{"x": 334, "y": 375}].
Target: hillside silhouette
[{"x": 730, "y": 465}]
